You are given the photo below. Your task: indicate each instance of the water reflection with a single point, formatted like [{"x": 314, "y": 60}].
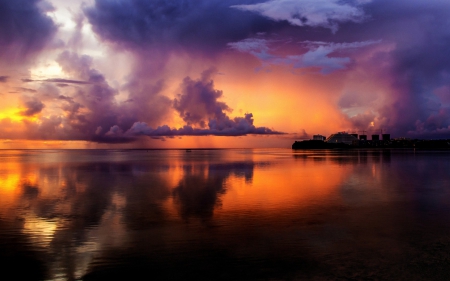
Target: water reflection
[
  {"x": 198, "y": 192},
  {"x": 208, "y": 215}
]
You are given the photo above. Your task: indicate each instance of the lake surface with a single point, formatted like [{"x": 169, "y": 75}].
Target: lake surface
[{"x": 224, "y": 215}]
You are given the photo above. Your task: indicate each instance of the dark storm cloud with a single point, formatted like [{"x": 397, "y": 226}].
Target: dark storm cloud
[
  {"x": 421, "y": 65},
  {"x": 24, "y": 27},
  {"x": 188, "y": 25},
  {"x": 33, "y": 106}
]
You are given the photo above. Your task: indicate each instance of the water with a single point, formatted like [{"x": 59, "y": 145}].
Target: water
[{"x": 224, "y": 215}]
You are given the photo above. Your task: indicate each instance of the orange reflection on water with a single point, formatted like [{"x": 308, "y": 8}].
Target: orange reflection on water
[
  {"x": 9, "y": 190},
  {"x": 12, "y": 179},
  {"x": 284, "y": 185}
]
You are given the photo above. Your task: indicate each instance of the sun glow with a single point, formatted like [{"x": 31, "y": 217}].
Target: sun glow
[
  {"x": 14, "y": 115},
  {"x": 46, "y": 70}
]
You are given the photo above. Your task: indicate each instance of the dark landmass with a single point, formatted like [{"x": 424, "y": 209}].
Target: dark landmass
[
  {"x": 318, "y": 144},
  {"x": 380, "y": 144}
]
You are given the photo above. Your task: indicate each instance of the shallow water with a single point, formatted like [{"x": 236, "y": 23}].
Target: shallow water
[{"x": 224, "y": 215}]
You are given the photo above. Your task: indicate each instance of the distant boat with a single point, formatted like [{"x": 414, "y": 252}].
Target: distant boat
[{"x": 188, "y": 150}]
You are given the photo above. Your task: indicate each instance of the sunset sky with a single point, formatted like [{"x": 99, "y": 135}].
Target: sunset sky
[{"x": 220, "y": 73}]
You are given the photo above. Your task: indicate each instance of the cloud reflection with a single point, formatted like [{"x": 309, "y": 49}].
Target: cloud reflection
[
  {"x": 215, "y": 215},
  {"x": 198, "y": 193},
  {"x": 70, "y": 206}
]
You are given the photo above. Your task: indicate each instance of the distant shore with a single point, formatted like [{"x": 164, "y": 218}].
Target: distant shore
[{"x": 376, "y": 144}]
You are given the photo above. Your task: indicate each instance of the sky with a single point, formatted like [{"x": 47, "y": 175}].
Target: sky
[{"x": 220, "y": 73}]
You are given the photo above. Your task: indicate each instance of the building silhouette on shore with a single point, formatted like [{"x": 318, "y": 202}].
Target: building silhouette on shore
[{"x": 344, "y": 140}]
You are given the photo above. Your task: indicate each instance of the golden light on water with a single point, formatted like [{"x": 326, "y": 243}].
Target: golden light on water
[
  {"x": 12, "y": 180},
  {"x": 40, "y": 230},
  {"x": 281, "y": 187},
  {"x": 9, "y": 189}
]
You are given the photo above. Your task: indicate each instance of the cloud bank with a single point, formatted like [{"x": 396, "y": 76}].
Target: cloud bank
[
  {"x": 199, "y": 106},
  {"x": 384, "y": 65},
  {"x": 91, "y": 112}
]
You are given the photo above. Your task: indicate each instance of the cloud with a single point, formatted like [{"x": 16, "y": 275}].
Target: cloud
[
  {"x": 33, "y": 106},
  {"x": 204, "y": 114},
  {"x": 60, "y": 81},
  {"x": 201, "y": 27},
  {"x": 91, "y": 112},
  {"x": 198, "y": 101},
  {"x": 315, "y": 13},
  {"x": 67, "y": 81},
  {"x": 436, "y": 124},
  {"x": 88, "y": 111},
  {"x": 24, "y": 28},
  {"x": 238, "y": 126},
  {"x": 354, "y": 100},
  {"x": 254, "y": 46},
  {"x": 371, "y": 46},
  {"x": 416, "y": 66},
  {"x": 318, "y": 54},
  {"x": 27, "y": 90}
]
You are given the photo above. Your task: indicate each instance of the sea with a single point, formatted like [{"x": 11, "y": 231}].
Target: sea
[{"x": 224, "y": 214}]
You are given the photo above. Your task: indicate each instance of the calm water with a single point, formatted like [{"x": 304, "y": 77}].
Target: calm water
[{"x": 224, "y": 215}]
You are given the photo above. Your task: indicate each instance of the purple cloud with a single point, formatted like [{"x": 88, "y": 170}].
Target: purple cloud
[
  {"x": 370, "y": 37},
  {"x": 58, "y": 81},
  {"x": 323, "y": 13},
  {"x": 198, "y": 26},
  {"x": 24, "y": 27},
  {"x": 199, "y": 106},
  {"x": 318, "y": 54},
  {"x": 90, "y": 111},
  {"x": 33, "y": 106},
  {"x": 198, "y": 101},
  {"x": 418, "y": 65},
  {"x": 238, "y": 126}
]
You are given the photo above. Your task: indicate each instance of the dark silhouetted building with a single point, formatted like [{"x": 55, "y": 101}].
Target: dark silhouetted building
[
  {"x": 386, "y": 137},
  {"x": 375, "y": 137},
  {"x": 319, "y": 137},
  {"x": 341, "y": 137},
  {"x": 362, "y": 137}
]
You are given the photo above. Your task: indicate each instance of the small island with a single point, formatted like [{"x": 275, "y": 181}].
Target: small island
[{"x": 344, "y": 140}]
